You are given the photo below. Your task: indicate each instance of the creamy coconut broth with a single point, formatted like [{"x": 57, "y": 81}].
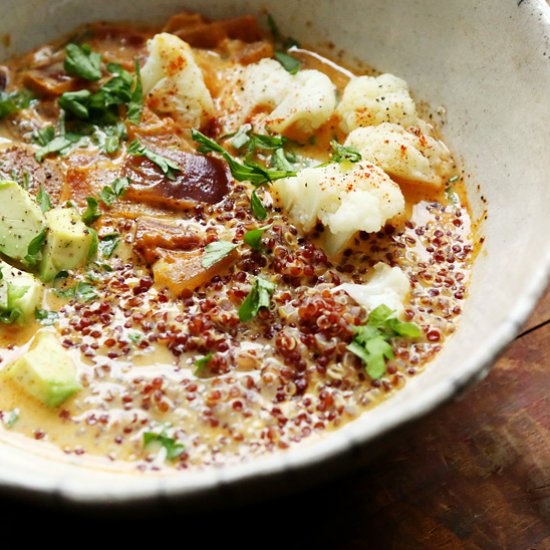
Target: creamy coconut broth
[{"x": 207, "y": 323}]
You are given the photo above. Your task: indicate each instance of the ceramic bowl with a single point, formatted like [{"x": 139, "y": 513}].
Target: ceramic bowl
[{"x": 487, "y": 63}]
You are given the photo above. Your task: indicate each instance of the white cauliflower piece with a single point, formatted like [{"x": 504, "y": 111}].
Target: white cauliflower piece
[
  {"x": 411, "y": 156},
  {"x": 368, "y": 101},
  {"x": 173, "y": 82},
  {"x": 305, "y": 100},
  {"x": 344, "y": 198},
  {"x": 388, "y": 286}
]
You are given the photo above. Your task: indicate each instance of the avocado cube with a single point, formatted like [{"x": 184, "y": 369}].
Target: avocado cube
[
  {"x": 46, "y": 371},
  {"x": 68, "y": 243},
  {"x": 20, "y": 294},
  {"x": 21, "y": 220}
]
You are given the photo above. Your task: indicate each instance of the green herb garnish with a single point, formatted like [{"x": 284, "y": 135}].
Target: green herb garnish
[
  {"x": 108, "y": 244},
  {"x": 135, "y": 106},
  {"x": 43, "y": 199},
  {"x": 13, "y": 102},
  {"x": 34, "y": 251},
  {"x": 173, "y": 448},
  {"x": 114, "y": 191},
  {"x": 215, "y": 251},
  {"x": 81, "y": 61},
  {"x": 202, "y": 362},
  {"x": 257, "y": 207},
  {"x": 371, "y": 342},
  {"x": 92, "y": 212},
  {"x": 84, "y": 292},
  {"x": 289, "y": 63},
  {"x": 241, "y": 171},
  {"x": 258, "y": 297},
  {"x": 46, "y": 317},
  {"x": 253, "y": 238},
  {"x": 343, "y": 153},
  {"x": 168, "y": 167}
]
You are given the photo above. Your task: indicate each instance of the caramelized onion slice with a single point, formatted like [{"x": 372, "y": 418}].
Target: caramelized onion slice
[
  {"x": 182, "y": 272},
  {"x": 201, "y": 179},
  {"x": 153, "y": 234}
]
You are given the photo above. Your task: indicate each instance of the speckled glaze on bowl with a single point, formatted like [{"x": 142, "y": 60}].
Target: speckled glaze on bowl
[{"x": 487, "y": 62}]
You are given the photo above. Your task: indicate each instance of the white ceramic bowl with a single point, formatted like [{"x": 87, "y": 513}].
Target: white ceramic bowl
[{"x": 488, "y": 63}]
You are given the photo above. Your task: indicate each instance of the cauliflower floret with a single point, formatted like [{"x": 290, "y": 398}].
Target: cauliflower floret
[
  {"x": 411, "y": 156},
  {"x": 388, "y": 286},
  {"x": 344, "y": 198},
  {"x": 306, "y": 100},
  {"x": 173, "y": 81},
  {"x": 368, "y": 101}
]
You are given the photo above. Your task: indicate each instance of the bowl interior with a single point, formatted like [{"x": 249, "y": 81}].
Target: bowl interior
[{"x": 486, "y": 63}]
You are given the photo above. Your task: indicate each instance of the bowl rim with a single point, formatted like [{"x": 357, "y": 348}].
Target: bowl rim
[{"x": 71, "y": 489}]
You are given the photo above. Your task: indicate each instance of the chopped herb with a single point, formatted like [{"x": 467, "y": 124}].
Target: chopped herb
[
  {"x": 76, "y": 103},
  {"x": 43, "y": 136},
  {"x": 254, "y": 141},
  {"x": 135, "y": 105},
  {"x": 371, "y": 341},
  {"x": 10, "y": 418},
  {"x": 173, "y": 448},
  {"x": 92, "y": 212},
  {"x": 11, "y": 103},
  {"x": 167, "y": 166},
  {"x": 286, "y": 42},
  {"x": 257, "y": 207},
  {"x": 108, "y": 244},
  {"x": 34, "y": 251},
  {"x": 94, "y": 245},
  {"x": 253, "y": 238},
  {"x": 46, "y": 317},
  {"x": 110, "y": 137},
  {"x": 43, "y": 199},
  {"x": 59, "y": 144},
  {"x": 258, "y": 297},
  {"x": 202, "y": 363},
  {"x": 114, "y": 191},
  {"x": 84, "y": 292},
  {"x": 81, "y": 61},
  {"x": 281, "y": 160},
  {"x": 342, "y": 153},
  {"x": 241, "y": 171},
  {"x": 135, "y": 337},
  {"x": 289, "y": 63},
  {"x": 454, "y": 179},
  {"x": 215, "y": 251}
]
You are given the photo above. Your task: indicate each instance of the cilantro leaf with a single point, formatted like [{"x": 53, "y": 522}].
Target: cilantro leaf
[
  {"x": 342, "y": 153},
  {"x": 253, "y": 238},
  {"x": 108, "y": 244},
  {"x": 289, "y": 63},
  {"x": 59, "y": 144},
  {"x": 202, "y": 362},
  {"x": 114, "y": 191},
  {"x": 371, "y": 342},
  {"x": 76, "y": 103},
  {"x": 173, "y": 448},
  {"x": 43, "y": 136},
  {"x": 257, "y": 207},
  {"x": 43, "y": 199},
  {"x": 46, "y": 317},
  {"x": 215, "y": 251},
  {"x": 167, "y": 166},
  {"x": 13, "y": 102},
  {"x": 34, "y": 251},
  {"x": 135, "y": 105},
  {"x": 258, "y": 297},
  {"x": 241, "y": 171},
  {"x": 81, "y": 61},
  {"x": 92, "y": 212},
  {"x": 84, "y": 292}
]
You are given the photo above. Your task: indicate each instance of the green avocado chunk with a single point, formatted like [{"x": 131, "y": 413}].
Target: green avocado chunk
[
  {"x": 68, "y": 243},
  {"x": 20, "y": 295},
  {"x": 21, "y": 220},
  {"x": 46, "y": 371}
]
